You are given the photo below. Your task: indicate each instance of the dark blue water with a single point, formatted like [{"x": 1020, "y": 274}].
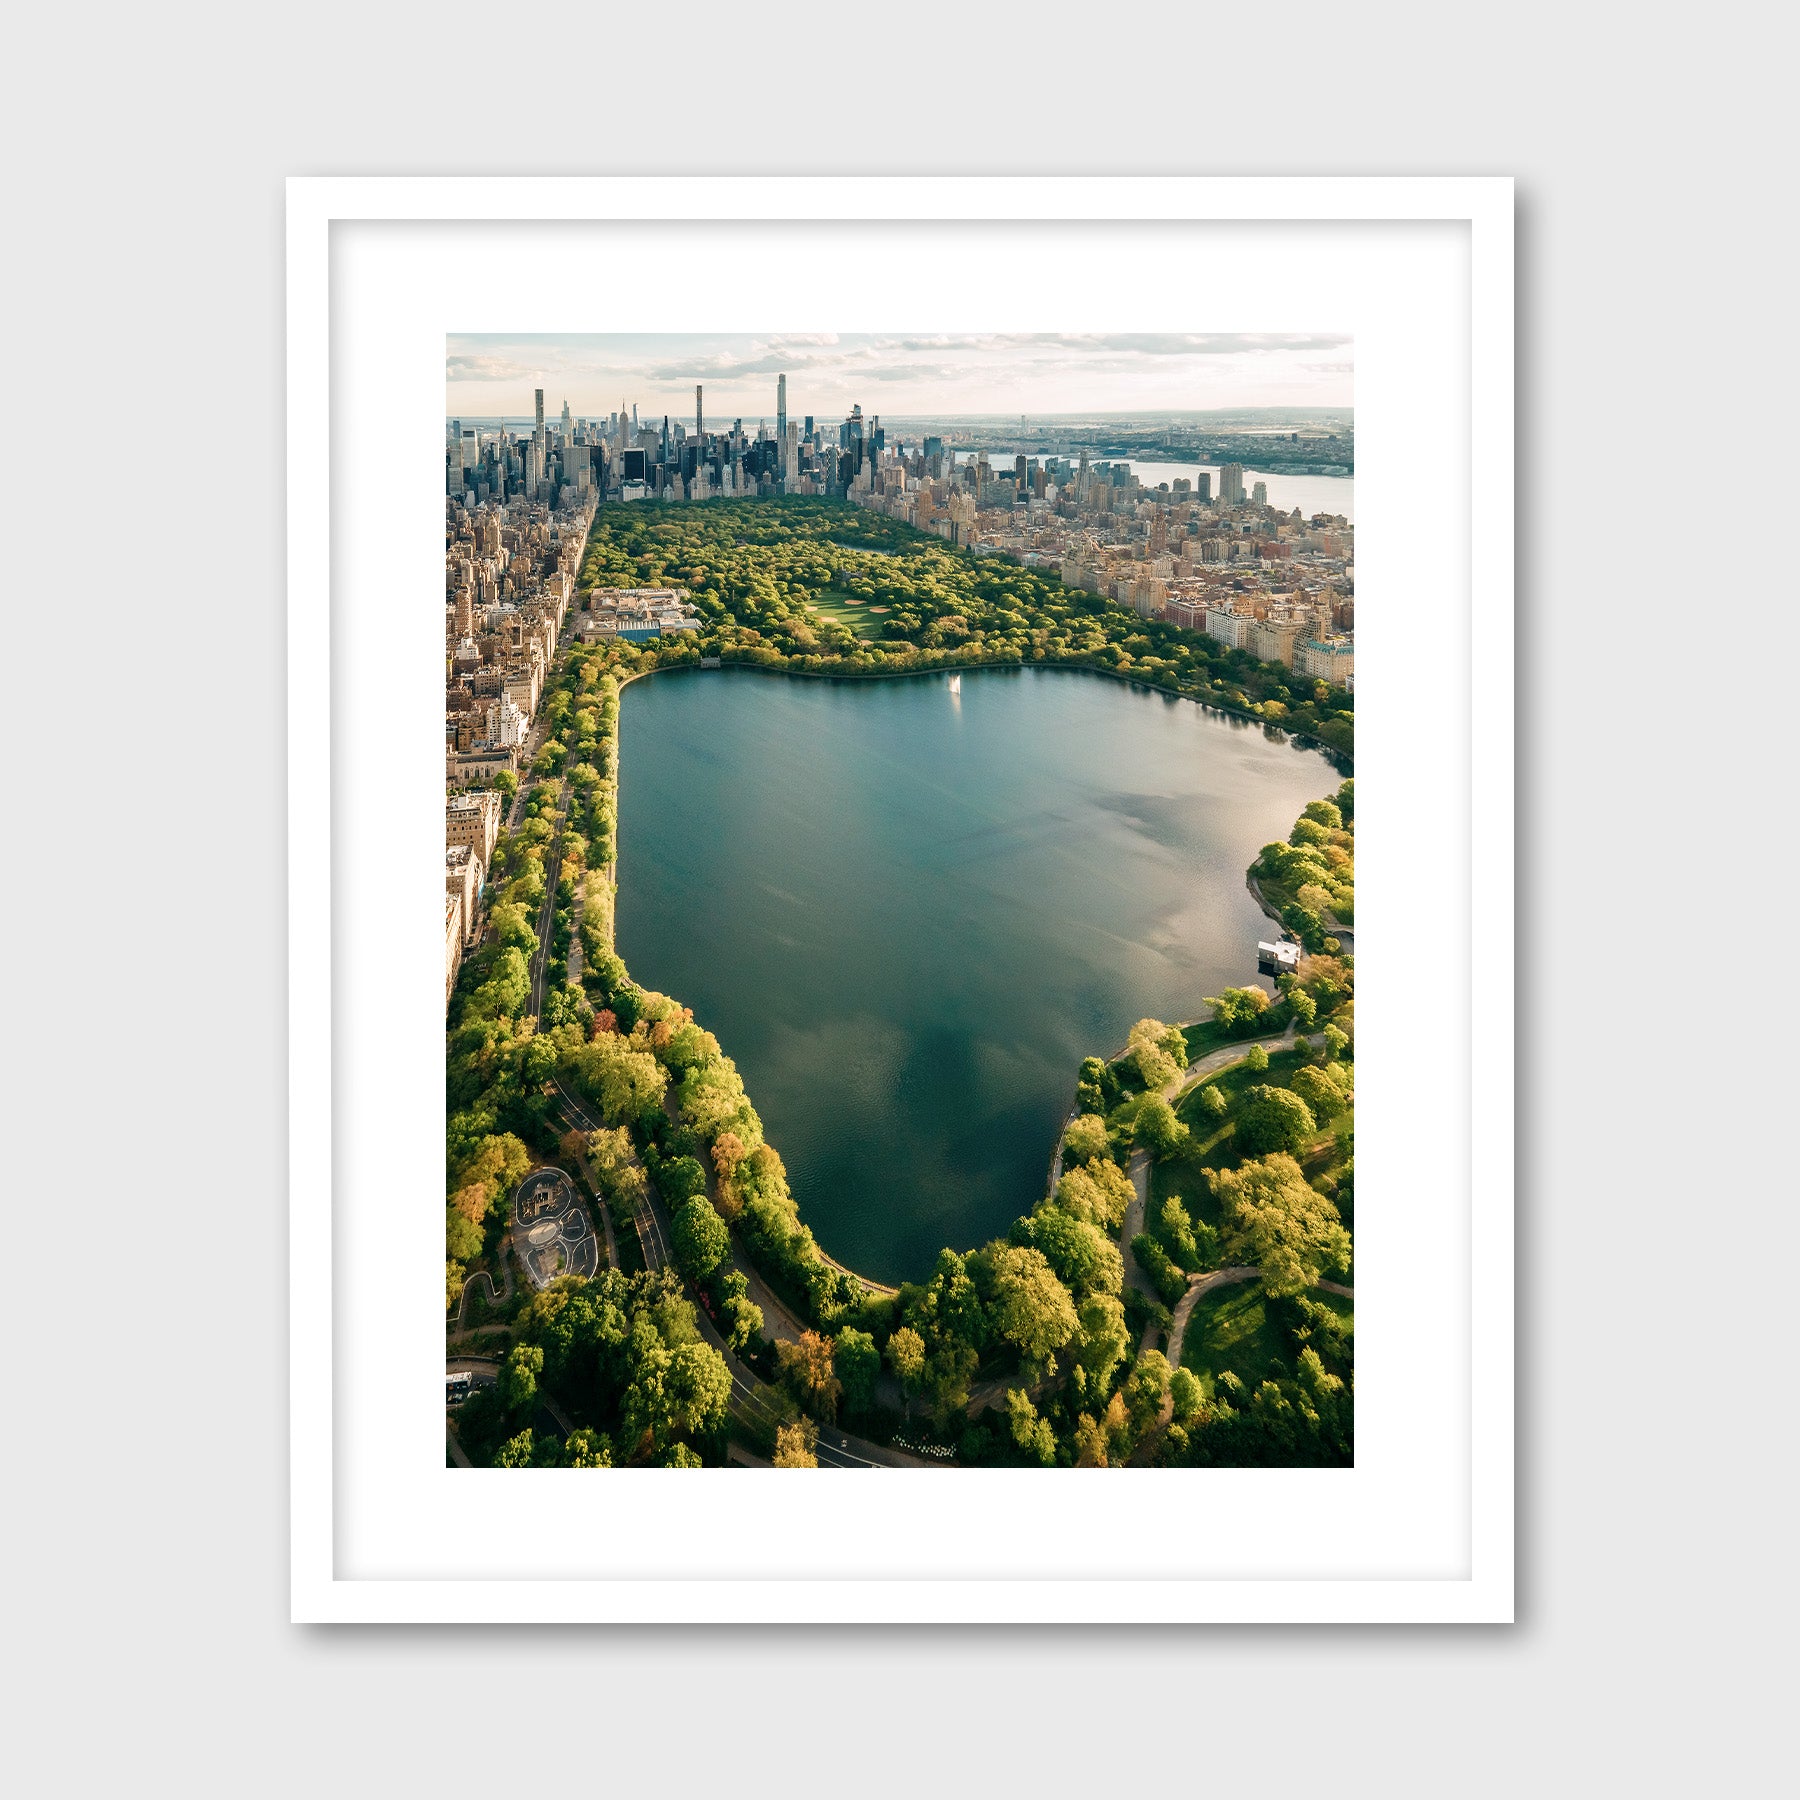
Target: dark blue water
[{"x": 909, "y": 914}]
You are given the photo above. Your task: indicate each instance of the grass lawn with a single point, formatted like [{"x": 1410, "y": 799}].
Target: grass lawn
[
  {"x": 841, "y": 609},
  {"x": 1230, "y": 1329}
]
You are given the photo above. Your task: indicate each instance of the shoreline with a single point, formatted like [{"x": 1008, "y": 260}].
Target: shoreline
[{"x": 625, "y": 680}]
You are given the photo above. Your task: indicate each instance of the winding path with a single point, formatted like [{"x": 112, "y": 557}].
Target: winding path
[
  {"x": 836, "y": 1449},
  {"x": 494, "y": 1296},
  {"x": 1139, "y": 1166}
]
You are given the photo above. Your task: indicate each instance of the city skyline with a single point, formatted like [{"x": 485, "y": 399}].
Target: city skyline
[{"x": 491, "y": 375}]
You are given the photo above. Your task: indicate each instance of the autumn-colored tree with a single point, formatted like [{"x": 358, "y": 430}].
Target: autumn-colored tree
[
  {"x": 809, "y": 1368},
  {"x": 796, "y": 1445},
  {"x": 727, "y": 1152},
  {"x": 1090, "y": 1443},
  {"x": 473, "y": 1201}
]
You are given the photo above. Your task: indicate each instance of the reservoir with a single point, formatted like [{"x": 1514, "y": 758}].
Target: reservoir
[{"x": 908, "y": 914}]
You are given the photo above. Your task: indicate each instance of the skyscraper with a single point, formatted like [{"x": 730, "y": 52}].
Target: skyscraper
[
  {"x": 781, "y": 409},
  {"x": 1231, "y": 484},
  {"x": 540, "y": 415},
  {"x": 699, "y": 413}
]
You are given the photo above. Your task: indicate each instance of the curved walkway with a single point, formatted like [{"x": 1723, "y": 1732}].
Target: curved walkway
[
  {"x": 1218, "y": 1278},
  {"x": 500, "y": 1296},
  {"x": 1139, "y": 1166}
]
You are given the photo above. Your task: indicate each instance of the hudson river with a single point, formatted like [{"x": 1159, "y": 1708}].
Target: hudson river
[{"x": 908, "y": 914}]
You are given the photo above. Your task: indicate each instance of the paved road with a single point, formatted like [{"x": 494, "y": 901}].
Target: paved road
[
  {"x": 547, "y": 912},
  {"x": 836, "y": 1449},
  {"x": 493, "y": 1296}
]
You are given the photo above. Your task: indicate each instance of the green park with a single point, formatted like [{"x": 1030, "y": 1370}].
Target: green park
[{"x": 1176, "y": 1293}]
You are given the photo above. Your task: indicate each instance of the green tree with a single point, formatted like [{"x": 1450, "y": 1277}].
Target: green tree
[
  {"x": 1275, "y": 1220},
  {"x": 1090, "y": 1443},
  {"x": 1084, "y": 1258},
  {"x": 1148, "y": 1049},
  {"x": 744, "y": 1320},
  {"x": 516, "y": 1452},
  {"x": 1272, "y": 1118},
  {"x": 1031, "y": 1308},
  {"x": 586, "y": 1448},
  {"x": 1175, "y": 1232},
  {"x": 519, "y": 1377},
  {"x": 1153, "y": 1259},
  {"x": 1239, "y": 1010},
  {"x": 701, "y": 1240},
  {"x": 858, "y": 1366},
  {"x": 906, "y": 1357},
  {"x": 1211, "y": 1099},
  {"x": 1158, "y": 1130},
  {"x": 1322, "y": 1095},
  {"x": 1085, "y": 1139},
  {"x": 1029, "y": 1432},
  {"x": 629, "y": 1084},
  {"x": 1186, "y": 1394},
  {"x": 462, "y": 1240},
  {"x": 1145, "y": 1392},
  {"x": 1098, "y": 1192},
  {"x": 1256, "y": 1059},
  {"x": 1104, "y": 1340}
]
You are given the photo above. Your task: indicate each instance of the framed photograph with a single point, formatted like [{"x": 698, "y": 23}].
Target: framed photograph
[{"x": 889, "y": 1083}]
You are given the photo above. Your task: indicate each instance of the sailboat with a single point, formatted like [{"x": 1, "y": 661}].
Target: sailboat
[{"x": 956, "y": 684}]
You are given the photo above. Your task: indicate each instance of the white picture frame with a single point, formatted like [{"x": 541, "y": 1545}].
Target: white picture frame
[{"x": 367, "y": 1543}]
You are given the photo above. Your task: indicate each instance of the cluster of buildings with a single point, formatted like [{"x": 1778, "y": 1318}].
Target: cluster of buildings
[
  {"x": 518, "y": 507},
  {"x": 637, "y": 614},
  {"x": 510, "y": 566},
  {"x": 1273, "y": 583}
]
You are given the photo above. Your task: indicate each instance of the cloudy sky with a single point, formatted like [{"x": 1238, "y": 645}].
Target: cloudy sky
[{"x": 931, "y": 373}]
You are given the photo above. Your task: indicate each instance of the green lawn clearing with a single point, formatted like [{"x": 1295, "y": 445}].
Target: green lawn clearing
[
  {"x": 1231, "y": 1329},
  {"x": 841, "y": 609}
]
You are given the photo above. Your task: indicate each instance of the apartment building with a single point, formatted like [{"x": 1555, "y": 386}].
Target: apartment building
[{"x": 474, "y": 819}]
